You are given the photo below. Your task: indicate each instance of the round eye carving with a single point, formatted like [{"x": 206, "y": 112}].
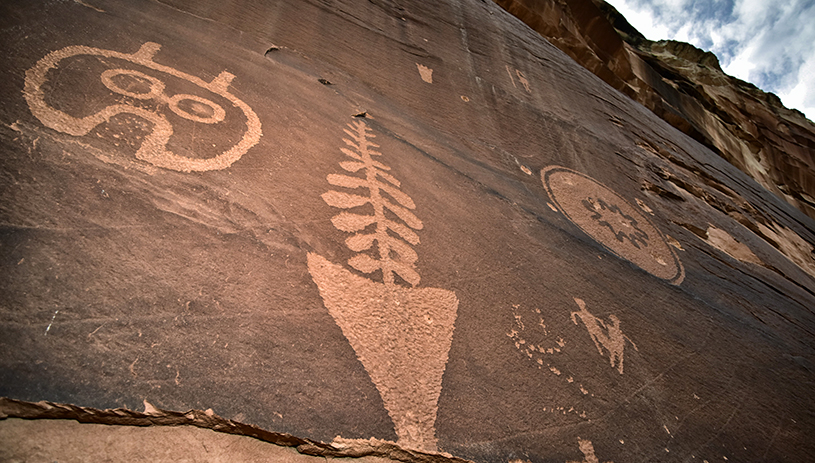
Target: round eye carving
[
  {"x": 134, "y": 84},
  {"x": 196, "y": 108},
  {"x": 139, "y": 85}
]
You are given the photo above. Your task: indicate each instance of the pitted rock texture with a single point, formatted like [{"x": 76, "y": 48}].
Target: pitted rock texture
[{"x": 686, "y": 87}]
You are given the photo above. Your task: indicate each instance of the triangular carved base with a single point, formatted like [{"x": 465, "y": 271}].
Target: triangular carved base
[{"x": 401, "y": 335}]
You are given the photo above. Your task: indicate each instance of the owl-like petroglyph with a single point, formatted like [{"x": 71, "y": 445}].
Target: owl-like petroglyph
[
  {"x": 401, "y": 333},
  {"x": 141, "y": 93}
]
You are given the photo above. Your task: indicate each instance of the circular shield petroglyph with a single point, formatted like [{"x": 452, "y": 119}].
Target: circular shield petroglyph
[
  {"x": 144, "y": 90},
  {"x": 612, "y": 221}
]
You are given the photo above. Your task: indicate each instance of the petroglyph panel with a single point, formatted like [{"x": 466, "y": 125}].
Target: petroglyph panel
[
  {"x": 401, "y": 334},
  {"x": 612, "y": 221},
  {"x": 144, "y": 96}
]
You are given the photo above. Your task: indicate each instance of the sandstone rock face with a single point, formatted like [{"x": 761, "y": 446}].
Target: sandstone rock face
[
  {"x": 380, "y": 226},
  {"x": 686, "y": 87}
]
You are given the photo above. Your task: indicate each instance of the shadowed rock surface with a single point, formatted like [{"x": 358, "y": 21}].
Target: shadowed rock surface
[
  {"x": 686, "y": 87},
  {"x": 46, "y": 431},
  {"x": 417, "y": 222}
]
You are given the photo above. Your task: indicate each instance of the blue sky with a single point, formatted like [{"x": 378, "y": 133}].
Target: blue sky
[{"x": 768, "y": 43}]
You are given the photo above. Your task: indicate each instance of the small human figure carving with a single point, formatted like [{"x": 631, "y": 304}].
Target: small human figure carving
[
  {"x": 605, "y": 335},
  {"x": 523, "y": 80}
]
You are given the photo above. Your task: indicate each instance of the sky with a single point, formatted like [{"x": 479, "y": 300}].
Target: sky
[{"x": 769, "y": 43}]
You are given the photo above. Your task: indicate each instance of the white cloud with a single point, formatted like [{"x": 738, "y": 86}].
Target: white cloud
[
  {"x": 740, "y": 65},
  {"x": 643, "y": 20},
  {"x": 766, "y": 42},
  {"x": 802, "y": 94}
]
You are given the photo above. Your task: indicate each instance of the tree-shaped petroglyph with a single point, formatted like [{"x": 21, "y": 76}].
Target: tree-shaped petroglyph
[
  {"x": 401, "y": 333},
  {"x": 395, "y": 255}
]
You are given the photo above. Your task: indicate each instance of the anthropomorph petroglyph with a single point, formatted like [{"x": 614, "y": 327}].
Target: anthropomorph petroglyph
[
  {"x": 400, "y": 333},
  {"x": 143, "y": 95},
  {"x": 606, "y": 336},
  {"x": 521, "y": 78},
  {"x": 612, "y": 221}
]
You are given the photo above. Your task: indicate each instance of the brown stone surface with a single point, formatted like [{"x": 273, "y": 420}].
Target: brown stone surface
[
  {"x": 651, "y": 303},
  {"x": 686, "y": 87},
  {"x": 39, "y": 431},
  {"x": 69, "y": 441}
]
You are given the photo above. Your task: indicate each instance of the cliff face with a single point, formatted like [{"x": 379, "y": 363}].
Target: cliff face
[
  {"x": 415, "y": 225},
  {"x": 686, "y": 87}
]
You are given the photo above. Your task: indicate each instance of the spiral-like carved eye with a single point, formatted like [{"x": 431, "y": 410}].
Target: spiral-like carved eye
[{"x": 132, "y": 83}]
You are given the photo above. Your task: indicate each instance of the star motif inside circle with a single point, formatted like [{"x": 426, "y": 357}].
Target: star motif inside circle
[{"x": 624, "y": 227}]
